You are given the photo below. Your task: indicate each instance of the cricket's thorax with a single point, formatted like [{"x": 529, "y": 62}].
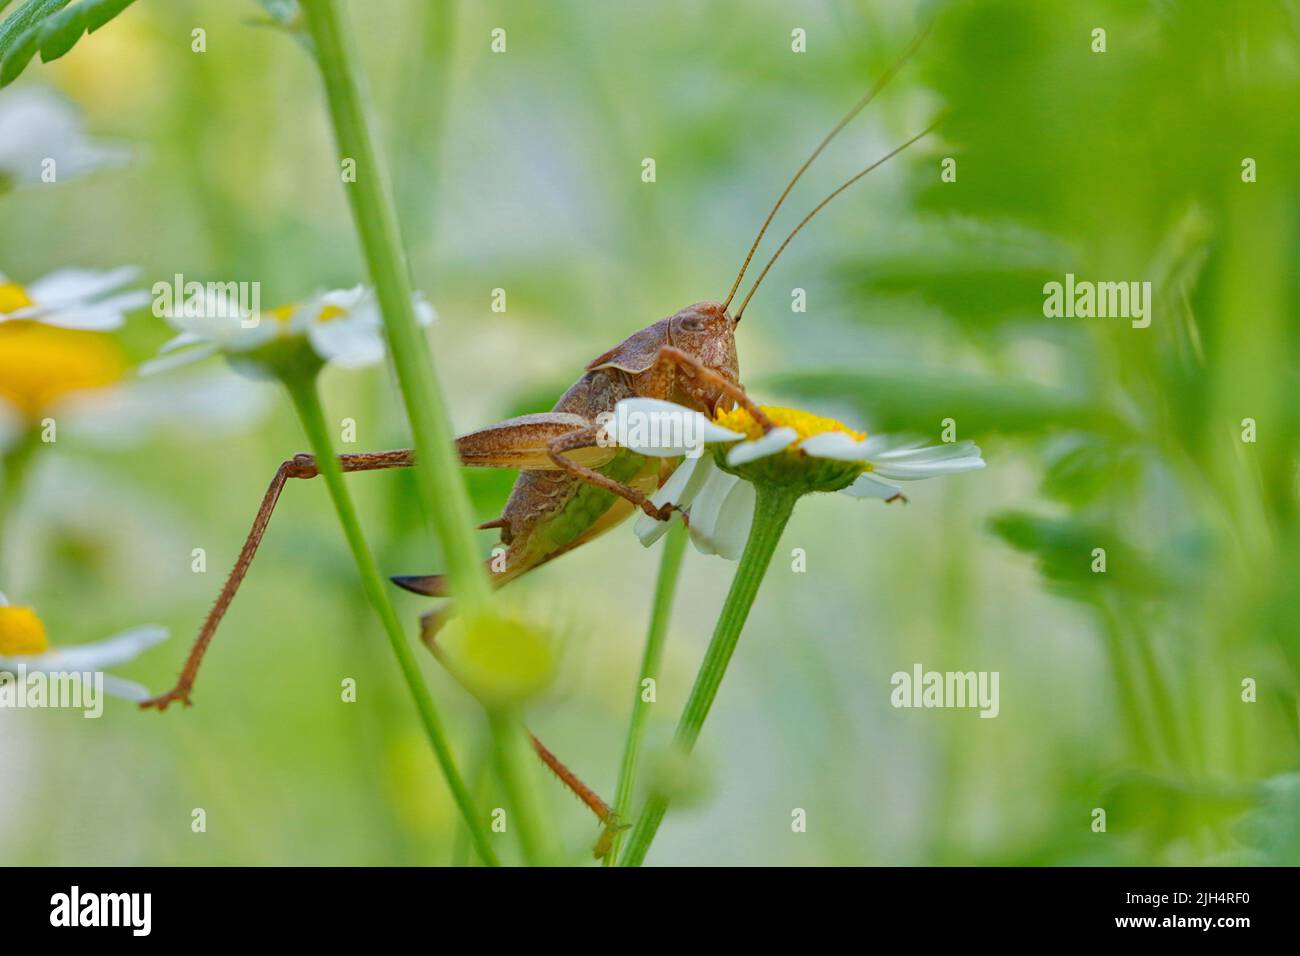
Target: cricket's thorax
[{"x": 550, "y": 512}]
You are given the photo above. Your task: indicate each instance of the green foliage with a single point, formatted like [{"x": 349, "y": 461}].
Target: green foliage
[
  {"x": 1121, "y": 690},
  {"x": 1064, "y": 551},
  {"x": 46, "y": 26},
  {"x": 905, "y": 400}
]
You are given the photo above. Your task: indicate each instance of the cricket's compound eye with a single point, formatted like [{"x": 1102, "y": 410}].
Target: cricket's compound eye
[{"x": 693, "y": 324}]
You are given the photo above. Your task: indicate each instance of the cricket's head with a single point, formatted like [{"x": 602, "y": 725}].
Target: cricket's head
[{"x": 707, "y": 332}]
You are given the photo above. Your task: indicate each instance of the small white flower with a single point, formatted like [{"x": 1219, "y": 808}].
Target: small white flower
[
  {"x": 660, "y": 429},
  {"x": 810, "y": 452},
  {"x": 342, "y": 326},
  {"x": 38, "y": 125},
  {"x": 23, "y": 647},
  {"x": 73, "y": 299}
]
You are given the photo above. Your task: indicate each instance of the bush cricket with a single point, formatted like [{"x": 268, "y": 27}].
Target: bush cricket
[{"x": 572, "y": 485}]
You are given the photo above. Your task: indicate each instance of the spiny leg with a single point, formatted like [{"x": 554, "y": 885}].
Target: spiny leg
[
  {"x": 700, "y": 371},
  {"x": 586, "y": 438},
  {"x": 300, "y": 466},
  {"x": 431, "y": 622},
  {"x": 609, "y": 820}
]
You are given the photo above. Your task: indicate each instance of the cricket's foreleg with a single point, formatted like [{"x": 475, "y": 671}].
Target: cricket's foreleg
[
  {"x": 300, "y": 466},
  {"x": 696, "y": 369},
  {"x": 586, "y": 438}
]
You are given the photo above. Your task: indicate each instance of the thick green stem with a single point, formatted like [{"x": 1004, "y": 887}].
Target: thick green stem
[
  {"x": 441, "y": 485},
  {"x": 670, "y": 565},
  {"x": 772, "y": 509},
  {"x": 508, "y": 746},
  {"x": 480, "y": 778},
  {"x": 307, "y": 402}
]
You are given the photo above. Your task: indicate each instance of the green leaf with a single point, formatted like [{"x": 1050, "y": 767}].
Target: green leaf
[
  {"x": 974, "y": 270},
  {"x": 915, "y": 400},
  {"x": 1064, "y": 547},
  {"x": 1272, "y": 829},
  {"x": 26, "y": 16},
  {"x": 45, "y": 26}
]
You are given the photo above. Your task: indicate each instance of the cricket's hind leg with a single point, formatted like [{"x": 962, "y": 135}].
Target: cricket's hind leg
[
  {"x": 300, "y": 466},
  {"x": 431, "y": 622}
]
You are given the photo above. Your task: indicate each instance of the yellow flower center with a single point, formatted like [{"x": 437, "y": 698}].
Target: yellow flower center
[
  {"x": 21, "y": 632},
  {"x": 283, "y": 313},
  {"x": 39, "y": 364},
  {"x": 791, "y": 467},
  {"x": 12, "y": 298},
  {"x": 804, "y": 423}
]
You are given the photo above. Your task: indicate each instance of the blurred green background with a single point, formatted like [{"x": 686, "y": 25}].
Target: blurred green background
[{"x": 522, "y": 171}]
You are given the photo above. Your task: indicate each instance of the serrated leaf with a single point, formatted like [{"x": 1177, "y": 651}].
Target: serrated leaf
[
  {"x": 46, "y": 26},
  {"x": 30, "y": 14}
]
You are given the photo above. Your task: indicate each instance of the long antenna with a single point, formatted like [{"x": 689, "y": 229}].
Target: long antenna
[
  {"x": 821, "y": 205},
  {"x": 848, "y": 117}
]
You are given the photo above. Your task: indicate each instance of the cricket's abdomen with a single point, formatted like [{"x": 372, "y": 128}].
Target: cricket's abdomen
[{"x": 551, "y": 512}]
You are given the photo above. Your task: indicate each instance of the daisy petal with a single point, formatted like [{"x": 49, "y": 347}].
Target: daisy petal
[
  {"x": 350, "y": 341},
  {"x": 721, "y": 517},
  {"x": 840, "y": 446},
  {"x": 99, "y": 655},
  {"x": 125, "y": 689},
  {"x": 917, "y": 470},
  {"x": 778, "y": 439},
  {"x": 74, "y": 286},
  {"x": 659, "y": 429},
  {"x": 179, "y": 341},
  {"x": 915, "y": 453},
  {"x": 680, "y": 489},
  {"x": 425, "y": 313},
  {"x": 102, "y": 316},
  {"x": 868, "y": 486},
  {"x": 177, "y": 359}
]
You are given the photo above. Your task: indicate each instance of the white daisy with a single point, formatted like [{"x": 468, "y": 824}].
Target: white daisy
[
  {"x": 36, "y": 126},
  {"x": 23, "y": 648},
  {"x": 804, "y": 450},
  {"x": 342, "y": 326},
  {"x": 73, "y": 299}
]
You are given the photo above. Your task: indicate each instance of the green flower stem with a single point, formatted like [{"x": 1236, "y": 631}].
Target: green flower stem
[
  {"x": 670, "y": 565},
  {"x": 772, "y": 509},
  {"x": 302, "y": 388},
  {"x": 479, "y": 777},
  {"x": 508, "y": 743},
  {"x": 441, "y": 485}
]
